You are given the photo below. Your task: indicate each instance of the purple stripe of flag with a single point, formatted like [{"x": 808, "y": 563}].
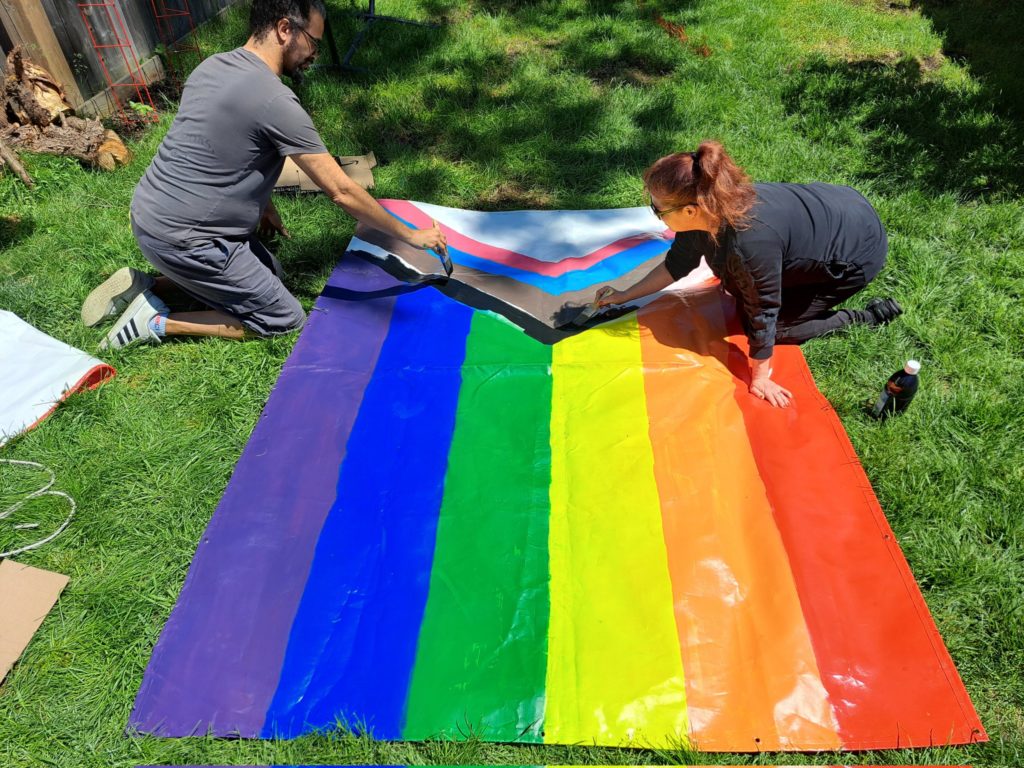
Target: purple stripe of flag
[{"x": 216, "y": 666}]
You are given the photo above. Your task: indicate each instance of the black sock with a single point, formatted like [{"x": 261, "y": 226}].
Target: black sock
[{"x": 861, "y": 316}]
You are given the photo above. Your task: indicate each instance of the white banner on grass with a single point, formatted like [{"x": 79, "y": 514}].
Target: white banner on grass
[{"x": 37, "y": 372}]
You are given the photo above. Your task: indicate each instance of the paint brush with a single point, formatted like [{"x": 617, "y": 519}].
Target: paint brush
[
  {"x": 588, "y": 311},
  {"x": 442, "y": 252},
  {"x": 446, "y": 261}
]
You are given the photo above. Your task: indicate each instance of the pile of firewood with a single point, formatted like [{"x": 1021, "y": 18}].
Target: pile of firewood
[{"x": 35, "y": 116}]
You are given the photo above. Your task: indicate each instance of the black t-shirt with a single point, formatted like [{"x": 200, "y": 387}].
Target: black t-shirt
[{"x": 798, "y": 234}]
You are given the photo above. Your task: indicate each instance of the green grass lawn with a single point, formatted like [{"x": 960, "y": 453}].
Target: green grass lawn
[{"x": 545, "y": 104}]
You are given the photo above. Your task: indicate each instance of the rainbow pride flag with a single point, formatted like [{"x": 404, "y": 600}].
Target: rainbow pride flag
[{"x": 442, "y": 526}]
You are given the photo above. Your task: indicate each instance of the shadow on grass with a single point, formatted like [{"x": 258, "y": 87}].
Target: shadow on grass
[
  {"x": 537, "y": 135},
  {"x": 308, "y": 259},
  {"x": 385, "y": 48},
  {"x": 14, "y": 229},
  {"x": 914, "y": 130},
  {"x": 514, "y": 103},
  {"x": 986, "y": 36}
]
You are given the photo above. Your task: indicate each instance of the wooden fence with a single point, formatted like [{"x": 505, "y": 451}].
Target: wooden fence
[{"x": 54, "y": 34}]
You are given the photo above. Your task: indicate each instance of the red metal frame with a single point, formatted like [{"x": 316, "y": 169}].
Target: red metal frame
[
  {"x": 175, "y": 46},
  {"x": 122, "y": 43}
]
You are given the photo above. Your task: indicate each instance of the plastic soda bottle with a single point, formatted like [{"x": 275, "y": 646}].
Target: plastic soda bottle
[{"x": 898, "y": 391}]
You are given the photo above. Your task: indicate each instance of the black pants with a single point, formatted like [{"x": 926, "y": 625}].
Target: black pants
[{"x": 807, "y": 310}]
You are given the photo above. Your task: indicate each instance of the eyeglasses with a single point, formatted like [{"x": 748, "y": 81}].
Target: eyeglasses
[
  {"x": 313, "y": 42},
  {"x": 667, "y": 211}
]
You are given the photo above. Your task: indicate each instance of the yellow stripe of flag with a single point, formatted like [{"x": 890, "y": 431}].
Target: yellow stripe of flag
[{"x": 614, "y": 671}]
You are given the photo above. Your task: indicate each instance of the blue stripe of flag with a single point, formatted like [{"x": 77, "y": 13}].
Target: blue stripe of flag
[
  {"x": 604, "y": 271},
  {"x": 353, "y": 641}
]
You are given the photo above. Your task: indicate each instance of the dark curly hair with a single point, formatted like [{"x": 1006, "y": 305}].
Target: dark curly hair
[{"x": 264, "y": 14}]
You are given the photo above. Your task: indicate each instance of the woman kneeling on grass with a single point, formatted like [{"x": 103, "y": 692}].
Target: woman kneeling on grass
[{"x": 788, "y": 253}]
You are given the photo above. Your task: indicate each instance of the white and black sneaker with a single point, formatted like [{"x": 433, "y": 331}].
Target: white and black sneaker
[
  {"x": 114, "y": 294},
  {"x": 133, "y": 324}
]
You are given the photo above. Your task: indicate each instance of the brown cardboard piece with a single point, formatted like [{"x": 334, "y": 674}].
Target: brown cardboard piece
[
  {"x": 357, "y": 167},
  {"x": 26, "y": 595}
]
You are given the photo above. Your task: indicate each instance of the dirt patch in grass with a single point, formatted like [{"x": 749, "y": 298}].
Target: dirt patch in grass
[
  {"x": 612, "y": 72},
  {"x": 511, "y": 194},
  {"x": 414, "y": 137},
  {"x": 931, "y": 63},
  {"x": 887, "y": 6},
  {"x": 517, "y": 48},
  {"x": 520, "y": 46},
  {"x": 455, "y": 15},
  {"x": 926, "y": 64},
  {"x": 842, "y": 48}
]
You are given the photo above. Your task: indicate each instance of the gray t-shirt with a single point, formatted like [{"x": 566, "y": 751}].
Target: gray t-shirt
[{"x": 216, "y": 168}]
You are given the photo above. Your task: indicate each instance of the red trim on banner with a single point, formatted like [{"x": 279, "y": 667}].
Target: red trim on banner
[{"x": 92, "y": 379}]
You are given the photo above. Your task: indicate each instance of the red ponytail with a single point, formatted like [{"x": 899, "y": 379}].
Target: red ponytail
[{"x": 707, "y": 178}]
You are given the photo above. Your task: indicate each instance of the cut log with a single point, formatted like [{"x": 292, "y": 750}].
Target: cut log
[
  {"x": 112, "y": 152},
  {"x": 86, "y": 140}
]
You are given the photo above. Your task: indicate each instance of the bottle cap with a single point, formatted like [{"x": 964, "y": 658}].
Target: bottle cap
[{"x": 912, "y": 367}]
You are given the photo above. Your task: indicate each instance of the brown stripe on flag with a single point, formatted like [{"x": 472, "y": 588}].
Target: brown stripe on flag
[{"x": 539, "y": 313}]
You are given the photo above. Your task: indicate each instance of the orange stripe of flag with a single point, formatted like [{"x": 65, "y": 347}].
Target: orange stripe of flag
[{"x": 752, "y": 681}]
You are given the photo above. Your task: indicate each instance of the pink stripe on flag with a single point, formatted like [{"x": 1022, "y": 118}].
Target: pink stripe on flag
[{"x": 421, "y": 220}]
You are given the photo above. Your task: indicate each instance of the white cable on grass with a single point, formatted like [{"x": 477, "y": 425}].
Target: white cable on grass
[{"x": 44, "y": 491}]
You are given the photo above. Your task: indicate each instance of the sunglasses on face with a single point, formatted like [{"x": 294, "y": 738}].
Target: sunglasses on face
[{"x": 661, "y": 214}]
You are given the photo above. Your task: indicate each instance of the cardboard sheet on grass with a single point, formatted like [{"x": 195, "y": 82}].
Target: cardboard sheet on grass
[
  {"x": 442, "y": 525},
  {"x": 37, "y": 372},
  {"x": 26, "y": 595},
  {"x": 359, "y": 168}
]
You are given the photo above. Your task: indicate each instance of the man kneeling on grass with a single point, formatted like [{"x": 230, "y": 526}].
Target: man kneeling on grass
[{"x": 207, "y": 191}]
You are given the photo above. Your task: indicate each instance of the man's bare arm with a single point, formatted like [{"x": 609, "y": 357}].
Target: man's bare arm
[{"x": 358, "y": 203}]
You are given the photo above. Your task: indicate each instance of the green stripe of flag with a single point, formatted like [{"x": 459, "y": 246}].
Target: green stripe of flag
[{"x": 481, "y": 661}]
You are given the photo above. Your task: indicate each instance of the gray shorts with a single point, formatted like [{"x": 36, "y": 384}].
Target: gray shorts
[{"x": 239, "y": 277}]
